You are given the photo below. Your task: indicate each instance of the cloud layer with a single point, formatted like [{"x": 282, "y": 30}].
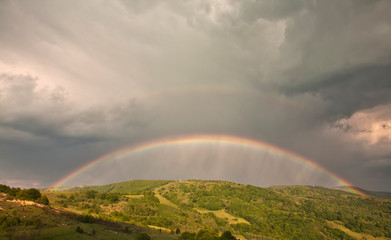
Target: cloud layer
[{"x": 80, "y": 79}]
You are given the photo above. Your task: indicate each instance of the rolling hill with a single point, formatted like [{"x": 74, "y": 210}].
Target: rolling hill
[
  {"x": 249, "y": 212},
  {"x": 376, "y": 194},
  {"x": 21, "y": 219}
]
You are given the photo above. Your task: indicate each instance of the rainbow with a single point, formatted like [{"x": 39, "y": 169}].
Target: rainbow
[{"x": 221, "y": 139}]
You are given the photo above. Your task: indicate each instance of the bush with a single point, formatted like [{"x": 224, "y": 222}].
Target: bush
[
  {"x": 207, "y": 235},
  {"x": 127, "y": 230},
  {"x": 90, "y": 194},
  {"x": 227, "y": 235},
  {"x": 43, "y": 200},
  {"x": 85, "y": 218},
  {"x": 187, "y": 236},
  {"x": 31, "y": 194},
  {"x": 143, "y": 236},
  {"x": 4, "y": 188},
  {"x": 79, "y": 229}
]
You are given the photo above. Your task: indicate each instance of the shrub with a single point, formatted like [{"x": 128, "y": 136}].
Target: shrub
[
  {"x": 227, "y": 235},
  {"x": 143, "y": 236},
  {"x": 79, "y": 229},
  {"x": 85, "y": 218},
  {"x": 31, "y": 194},
  {"x": 43, "y": 200},
  {"x": 90, "y": 194},
  {"x": 207, "y": 235},
  {"x": 187, "y": 236}
]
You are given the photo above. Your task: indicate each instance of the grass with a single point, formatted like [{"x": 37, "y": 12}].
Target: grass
[
  {"x": 223, "y": 214},
  {"x": 354, "y": 234},
  {"x": 36, "y": 222},
  {"x": 165, "y": 201},
  {"x": 134, "y": 187}
]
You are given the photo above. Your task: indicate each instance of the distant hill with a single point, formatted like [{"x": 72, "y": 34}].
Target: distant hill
[
  {"x": 367, "y": 192},
  {"x": 135, "y": 187},
  {"x": 249, "y": 212}
]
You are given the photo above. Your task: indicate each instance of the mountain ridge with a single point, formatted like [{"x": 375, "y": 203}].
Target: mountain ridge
[{"x": 378, "y": 194}]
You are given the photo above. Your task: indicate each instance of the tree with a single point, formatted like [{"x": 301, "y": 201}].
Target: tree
[
  {"x": 31, "y": 194},
  {"x": 44, "y": 200},
  {"x": 90, "y": 193},
  {"x": 205, "y": 234},
  {"x": 4, "y": 188},
  {"x": 227, "y": 235}
]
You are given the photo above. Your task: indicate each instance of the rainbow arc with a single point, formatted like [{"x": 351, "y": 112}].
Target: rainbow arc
[{"x": 204, "y": 139}]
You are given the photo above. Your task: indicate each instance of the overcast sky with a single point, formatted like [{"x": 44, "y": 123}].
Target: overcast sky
[{"x": 79, "y": 79}]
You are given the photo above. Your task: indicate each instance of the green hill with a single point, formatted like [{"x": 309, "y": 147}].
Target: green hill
[
  {"x": 369, "y": 193},
  {"x": 249, "y": 212},
  {"x": 135, "y": 187},
  {"x": 21, "y": 219}
]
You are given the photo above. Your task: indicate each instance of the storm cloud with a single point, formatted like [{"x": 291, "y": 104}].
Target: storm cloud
[{"x": 81, "y": 79}]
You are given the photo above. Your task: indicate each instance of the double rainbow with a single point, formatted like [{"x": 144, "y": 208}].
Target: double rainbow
[{"x": 220, "y": 139}]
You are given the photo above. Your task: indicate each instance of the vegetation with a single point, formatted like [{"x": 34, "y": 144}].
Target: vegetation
[
  {"x": 30, "y": 194},
  {"x": 28, "y": 220},
  {"x": 135, "y": 187},
  {"x": 220, "y": 210}
]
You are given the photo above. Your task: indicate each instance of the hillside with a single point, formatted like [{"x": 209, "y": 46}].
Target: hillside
[
  {"x": 376, "y": 194},
  {"x": 284, "y": 212},
  {"x": 21, "y": 219},
  {"x": 135, "y": 187}
]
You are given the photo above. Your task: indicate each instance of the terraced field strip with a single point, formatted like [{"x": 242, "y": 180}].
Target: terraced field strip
[
  {"x": 165, "y": 201},
  {"x": 223, "y": 214},
  {"x": 134, "y": 196},
  {"x": 355, "y": 235},
  {"x": 160, "y": 228}
]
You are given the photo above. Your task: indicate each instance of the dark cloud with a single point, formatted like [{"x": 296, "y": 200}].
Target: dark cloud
[
  {"x": 81, "y": 79},
  {"x": 350, "y": 91}
]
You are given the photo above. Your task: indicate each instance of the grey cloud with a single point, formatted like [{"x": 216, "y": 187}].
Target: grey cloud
[
  {"x": 46, "y": 114},
  {"x": 124, "y": 72},
  {"x": 272, "y": 10},
  {"x": 329, "y": 38},
  {"x": 352, "y": 90}
]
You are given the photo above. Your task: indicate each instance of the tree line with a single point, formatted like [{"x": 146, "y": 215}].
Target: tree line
[{"x": 31, "y": 194}]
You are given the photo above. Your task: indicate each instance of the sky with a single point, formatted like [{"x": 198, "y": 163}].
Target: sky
[{"x": 80, "y": 79}]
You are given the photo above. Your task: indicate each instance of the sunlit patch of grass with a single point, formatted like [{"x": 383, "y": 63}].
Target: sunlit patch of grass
[
  {"x": 165, "y": 201},
  {"x": 223, "y": 214},
  {"x": 355, "y": 235}
]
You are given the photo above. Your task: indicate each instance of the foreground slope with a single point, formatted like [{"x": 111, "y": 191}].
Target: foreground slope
[
  {"x": 293, "y": 212},
  {"x": 20, "y": 219}
]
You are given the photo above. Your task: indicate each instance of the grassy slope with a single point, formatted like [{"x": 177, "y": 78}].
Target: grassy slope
[
  {"x": 34, "y": 222},
  {"x": 294, "y": 212}
]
